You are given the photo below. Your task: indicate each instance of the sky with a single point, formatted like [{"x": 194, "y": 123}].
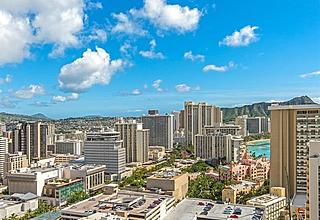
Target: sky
[{"x": 121, "y": 58}]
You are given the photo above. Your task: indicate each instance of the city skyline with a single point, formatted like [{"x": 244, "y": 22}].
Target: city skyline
[{"x": 112, "y": 58}]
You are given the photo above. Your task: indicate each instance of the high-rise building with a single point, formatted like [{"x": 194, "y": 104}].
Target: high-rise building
[
  {"x": 176, "y": 121},
  {"x": 15, "y": 161},
  {"x": 3, "y": 152},
  {"x": 313, "y": 184},
  {"x": 135, "y": 140},
  {"x": 69, "y": 147},
  {"x": 257, "y": 125},
  {"x": 198, "y": 115},
  {"x": 217, "y": 147},
  {"x": 47, "y": 139},
  {"x": 106, "y": 148},
  {"x": 33, "y": 139},
  {"x": 292, "y": 127},
  {"x": 242, "y": 122},
  {"x": 160, "y": 129}
]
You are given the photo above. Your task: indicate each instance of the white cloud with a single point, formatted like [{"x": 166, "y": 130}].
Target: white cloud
[
  {"x": 312, "y": 74},
  {"x": 27, "y": 22},
  {"x": 40, "y": 104},
  {"x": 6, "y": 79},
  {"x": 194, "y": 57},
  {"x": 59, "y": 98},
  {"x": 151, "y": 54},
  {"x": 183, "y": 88},
  {"x": 94, "y": 67},
  {"x": 98, "y": 34},
  {"x": 15, "y": 38},
  {"x": 136, "y": 92},
  {"x": 126, "y": 25},
  {"x": 30, "y": 92},
  {"x": 94, "y": 5},
  {"x": 215, "y": 68},
  {"x": 156, "y": 84},
  {"x": 244, "y": 37},
  {"x": 169, "y": 17},
  {"x": 6, "y": 102}
]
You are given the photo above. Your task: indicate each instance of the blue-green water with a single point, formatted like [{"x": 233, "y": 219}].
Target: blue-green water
[{"x": 260, "y": 149}]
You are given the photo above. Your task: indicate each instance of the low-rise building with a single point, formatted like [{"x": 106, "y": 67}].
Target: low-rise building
[
  {"x": 64, "y": 158},
  {"x": 172, "y": 183},
  {"x": 17, "y": 204},
  {"x": 58, "y": 191},
  {"x": 229, "y": 194},
  {"x": 93, "y": 176},
  {"x": 121, "y": 204},
  {"x": 156, "y": 152},
  {"x": 272, "y": 204},
  {"x": 15, "y": 161},
  {"x": 31, "y": 180}
]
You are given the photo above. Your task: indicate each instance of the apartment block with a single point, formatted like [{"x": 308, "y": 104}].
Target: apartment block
[
  {"x": 135, "y": 140},
  {"x": 198, "y": 115},
  {"x": 3, "y": 152},
  {"x": 160, "y": 129},
  {"x": 292, "y": 127}
]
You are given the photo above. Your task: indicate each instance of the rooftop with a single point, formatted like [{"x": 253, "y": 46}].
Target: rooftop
[
  {"x": 242, "y": 185},
  {"x": 294, "y": 107},
  {"x": 265, "y": 200},
  {"x": 137, "y": 203},
  {"x": 189, "y": 208}
]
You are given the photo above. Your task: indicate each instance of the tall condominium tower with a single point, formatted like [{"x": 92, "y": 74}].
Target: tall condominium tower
[
  {"x": 313, "y": 184},
  {"x": 3, "y": 152},
  {"x": 106, "y": 148},
  {"x": 198, "y": 115},
  {"x": 33, "y": 138},
  {"x": 292, "y": 127},
  {"x": 257, "y": 125},
  {"x": 160, "y": 129},
  {"x": 135, "y": 140}
]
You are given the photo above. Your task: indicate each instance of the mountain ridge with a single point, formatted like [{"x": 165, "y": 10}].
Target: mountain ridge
[{"x": 261, "y": 108}]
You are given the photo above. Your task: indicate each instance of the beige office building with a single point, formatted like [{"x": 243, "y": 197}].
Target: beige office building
[
  {"x": 292, "y": 127},
  {"x": 313, "y": 189},
  {"x": 135, "y": 140},
  {"x": 171, "y": 183},
  {"x": 15, "y": 161},
  {"x": 198, "y": 115}
]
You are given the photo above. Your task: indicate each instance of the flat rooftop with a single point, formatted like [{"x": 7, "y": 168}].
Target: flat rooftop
[
  {"x": 242, "y": 185},
  {"x": 189, "y": 208},
  {"x": 266, "y": 199},
  {"x": 138, "y": 203},
  {"x": 294, "y": 107}
]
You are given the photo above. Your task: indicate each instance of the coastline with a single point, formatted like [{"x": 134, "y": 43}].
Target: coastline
[{"x": 257, "y": 142}]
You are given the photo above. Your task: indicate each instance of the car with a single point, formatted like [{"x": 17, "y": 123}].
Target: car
[
  {"x": 204, "y": 213},
  {"x": 233, "y": 216},
  {"x": 200, "y": 203},
  {"x": 226, "y": 212},
  {"x": 219, "y": 202}
]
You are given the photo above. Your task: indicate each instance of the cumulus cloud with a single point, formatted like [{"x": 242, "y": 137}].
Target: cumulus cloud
[
  {"x": 151, "y": 54},
  {"x": 6, "y": 79},
  {"x": 312, "y": 74},
  {"x": 40, "y": 104},
  {"x": 214, "y": 68},
  {"x": 169, "y": 17},
  {"x": 59, "y": 98},
  {"x": 6, "y": 102},
  {"x": 27, "y": 22},
  {"x": 136, "y": 92},
  {"x": 30, "y": 91},
  {"x": 125, "y": 25},
  {"x": 94, "y": 5},
  {"x": 94, "y": 67},
  {"x": 182, "y": 88},
  {"x": 244, "y": 37},
  {"x": 194, "y": 57},
  {"x": 157, "y": 85},
  {"x": 98, "y": 35}
]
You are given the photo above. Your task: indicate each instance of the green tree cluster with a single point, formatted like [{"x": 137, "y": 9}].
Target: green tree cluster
[
  {"x": 205, "y": 187},
  {"x": 77, "y": 196},
  {"x": 242, "y": 198}
]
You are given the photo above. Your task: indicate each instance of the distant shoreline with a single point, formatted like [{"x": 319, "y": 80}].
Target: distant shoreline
[{"x": 258, "y": 142}]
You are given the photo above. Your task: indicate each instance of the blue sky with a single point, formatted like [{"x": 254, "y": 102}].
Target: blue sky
[{"x": 123, "y": 57}]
